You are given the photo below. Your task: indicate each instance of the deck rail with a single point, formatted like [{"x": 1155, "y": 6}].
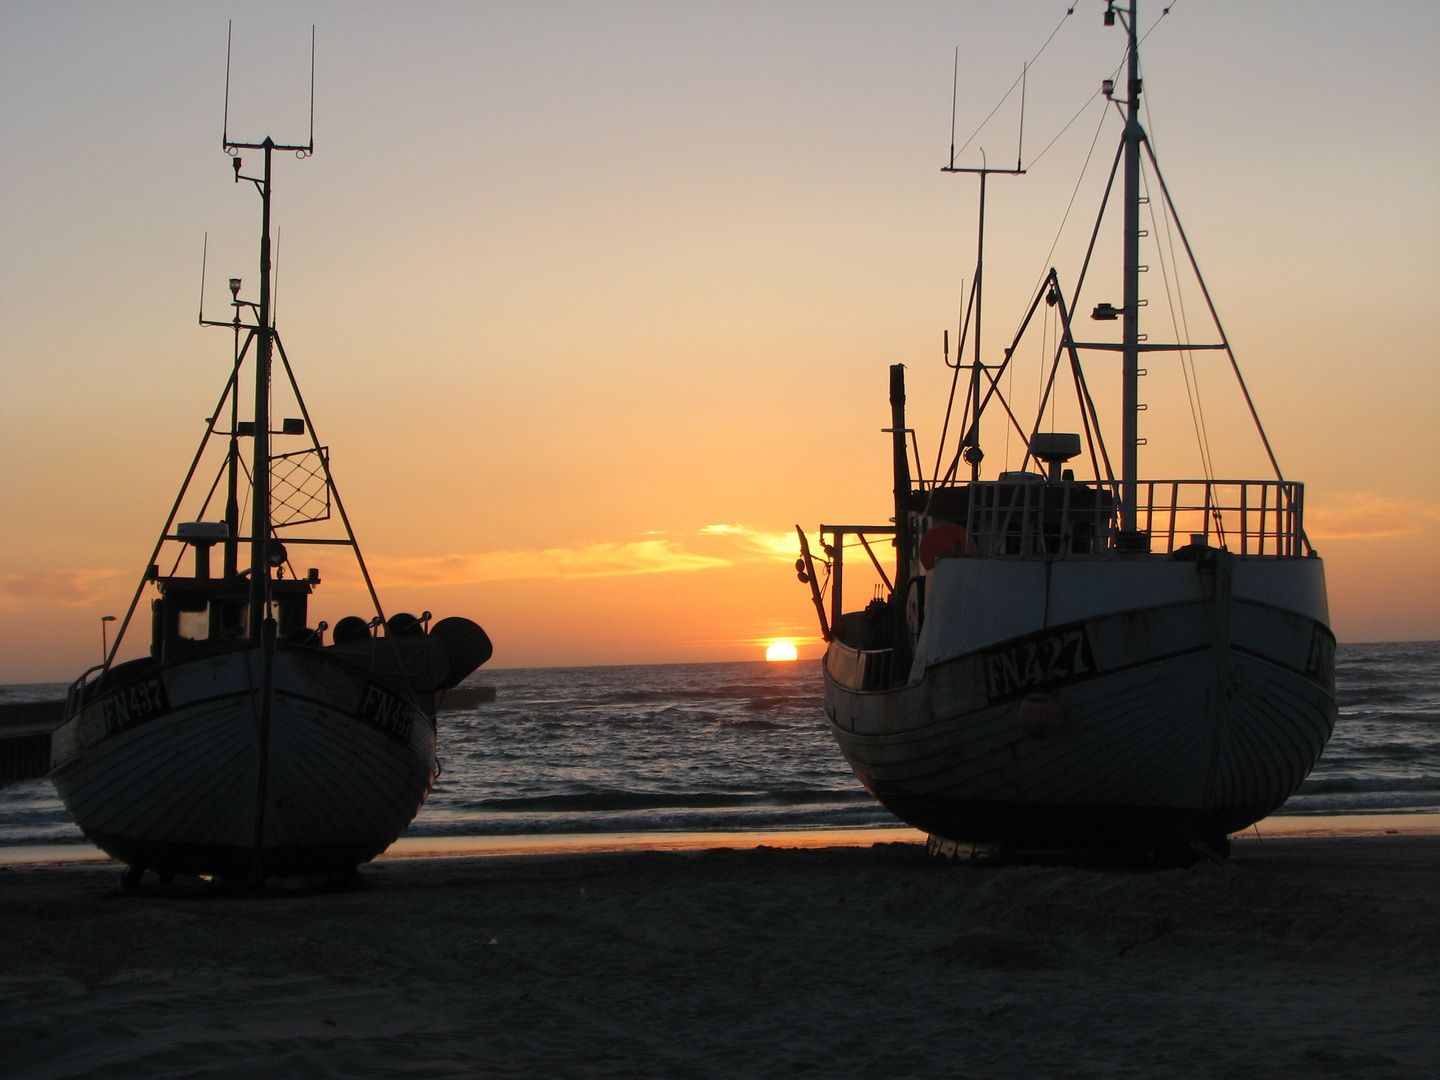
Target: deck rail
[{"x": 1032, "y": 517}]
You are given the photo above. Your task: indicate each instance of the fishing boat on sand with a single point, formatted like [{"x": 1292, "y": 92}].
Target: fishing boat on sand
[
  {"x": 244, "y": 745},
  {"x": 1101, "y": 661}
]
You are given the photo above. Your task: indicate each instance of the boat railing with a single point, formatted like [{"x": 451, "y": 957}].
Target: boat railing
[
  {"x": 1249, "y": 517},
  {"x": 75, "y": 693},
  {"x": 1031, "y": 516}
]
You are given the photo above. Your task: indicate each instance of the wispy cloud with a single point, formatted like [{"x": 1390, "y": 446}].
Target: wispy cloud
[
  {"x": 67, "y": 588},
  {"x": 782, "y": 545},
  {"x": 590, "y": 561},
  {"x": 1363, "y": 513}
]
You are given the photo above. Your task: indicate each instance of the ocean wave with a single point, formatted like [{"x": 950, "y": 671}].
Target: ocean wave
[
  {"x": 661, "y": 820},
  {"x": 592, "y": 801},
  {"x": 754, "y": 697},
  {"x": 1332, "y": 785}
]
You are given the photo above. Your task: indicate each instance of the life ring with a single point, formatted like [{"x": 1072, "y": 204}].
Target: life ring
[{"x": 947, "y": 538}]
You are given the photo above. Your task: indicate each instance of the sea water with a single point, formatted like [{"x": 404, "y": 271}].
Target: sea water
[{"x": 744, "y": 746}]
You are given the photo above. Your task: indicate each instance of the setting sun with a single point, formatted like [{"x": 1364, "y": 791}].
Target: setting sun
[{"x": 781, "y": 650}]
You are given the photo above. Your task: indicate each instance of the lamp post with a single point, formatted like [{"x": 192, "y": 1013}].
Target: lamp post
[{"x": 104, "y": 636}]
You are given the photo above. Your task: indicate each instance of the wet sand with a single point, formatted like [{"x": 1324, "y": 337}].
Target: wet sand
[
  {"x": 1302, "y": 956},
  {"x": 430, "y": 847}
]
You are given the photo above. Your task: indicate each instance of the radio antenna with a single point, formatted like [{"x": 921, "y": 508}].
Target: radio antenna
[
  {"x": 1020, "y": 146},
  {"x": 312, "y": 87},
  {"x": 954, "y": 94},
  {"x": 225, "y": 126},
  {"x": 204, "y": 253},
  {"x": 275, "y": 283},
  {"x": 230, "y": 147}
]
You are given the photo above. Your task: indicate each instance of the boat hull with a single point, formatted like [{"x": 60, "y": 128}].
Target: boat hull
[
  {"x": 165, "y": 771},
  {"x": 1187, "y": 718}
]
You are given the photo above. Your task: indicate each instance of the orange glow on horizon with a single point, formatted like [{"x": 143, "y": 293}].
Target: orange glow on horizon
[{"x": 590, "y": 416}]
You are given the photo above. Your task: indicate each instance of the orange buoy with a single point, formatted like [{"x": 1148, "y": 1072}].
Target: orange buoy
[
  {"x": 1041, "y": 716},
  {"x": 947, "y": 538}
]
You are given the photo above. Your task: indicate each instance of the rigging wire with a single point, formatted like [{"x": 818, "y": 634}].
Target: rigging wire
[
  {"x": 1182, "y": 327},
  {"x": 1064, "y": 129},
  {"x": 1115, "y": 75},
  {"x": 1092, "y": 97},
  {"x": 1018, "y": 81},
  {"x": 1094, "y": 141},
  {"x": 1187, "y": 357},
  {"x": 961, "y": 323},
  {"x": 1040, "y": 386},
  {"x": 1053, "y": 332},
  {"x": 1163, "y": 12},
  {"x": 1009, "y": 393}
]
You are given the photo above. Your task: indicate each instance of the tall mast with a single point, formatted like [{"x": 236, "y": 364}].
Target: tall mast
[
  {"x": 973, "y": 435},
  {"x": 264, "y": 348},
  {"x": 260, "y": 501},
  {"x": 264, "y": 343},
  {"x": 1134, "y": 136},
  {"x": 232, "y": 458}
]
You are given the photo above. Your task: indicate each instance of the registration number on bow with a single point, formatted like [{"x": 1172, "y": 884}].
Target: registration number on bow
[
  {"x": 136, "y": 703},
  {"x": 1038, "y": 662},
  {"x": 386, "y": 712}
]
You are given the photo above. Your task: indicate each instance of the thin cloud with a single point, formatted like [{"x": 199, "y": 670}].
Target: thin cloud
[
  {"x": 784, "y": 545},
  {"x": 591, "y": 561},
  {"x": 1365, "y": 514},
  {"x": 67, "y": 588}
]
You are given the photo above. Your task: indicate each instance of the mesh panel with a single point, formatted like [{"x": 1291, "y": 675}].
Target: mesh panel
[{"x": 298, "y": 491}]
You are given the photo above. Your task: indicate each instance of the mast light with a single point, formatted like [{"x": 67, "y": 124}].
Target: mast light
[
  {"x": 1108, "y": 87},
  {"x": 235, "y": 288},
  {"x": 1106, "y": 312}
]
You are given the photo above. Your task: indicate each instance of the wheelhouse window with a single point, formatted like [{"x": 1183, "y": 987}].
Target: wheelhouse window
[{"x": 194, "y": 625}]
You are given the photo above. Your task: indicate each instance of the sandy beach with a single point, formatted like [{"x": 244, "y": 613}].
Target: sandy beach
[{"x": 1302, "y": 956}]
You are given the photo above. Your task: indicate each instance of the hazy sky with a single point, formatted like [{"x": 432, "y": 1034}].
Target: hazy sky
[{"x": 570, "y": 286}]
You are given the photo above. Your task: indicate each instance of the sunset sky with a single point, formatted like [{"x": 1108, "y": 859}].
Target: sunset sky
[{"x": 594, "y": 302}]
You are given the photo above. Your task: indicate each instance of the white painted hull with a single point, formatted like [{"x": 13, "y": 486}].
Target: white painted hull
[
  {"x": 1192, "y": 705},
  {"x": 165, "y": 772}
]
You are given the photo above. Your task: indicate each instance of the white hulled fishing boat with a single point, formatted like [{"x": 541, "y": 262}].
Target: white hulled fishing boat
[
  {"x": 1098, "y": 662},
  {"x": 244, "y": 745}
]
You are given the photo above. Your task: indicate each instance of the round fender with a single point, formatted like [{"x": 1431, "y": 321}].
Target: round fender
[
  {"x": 1041, "y": 716},
  {"x": 403, "y": 624},
  {"x": 947, "y": 538},
  {"x": 350, "y": 628},
  {"x": 465, "y": 644}
]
